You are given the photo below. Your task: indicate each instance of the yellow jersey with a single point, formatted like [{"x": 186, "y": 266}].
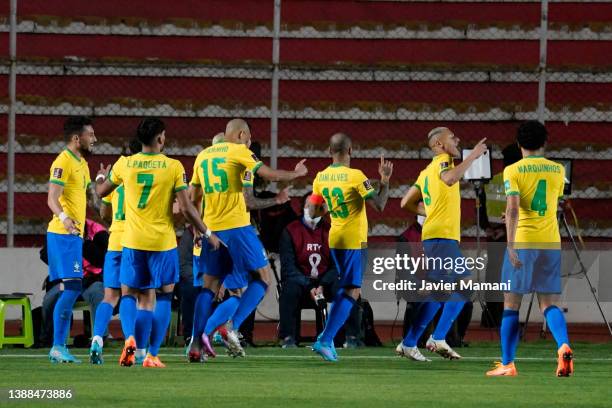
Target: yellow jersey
[
  {"x": 150, "y": 181},
  {"x": 539, "y": 183},
  {"x": 247, "y": 181},
  {"x": 345, "y": 191},
  {"x": 72, "y": 173},
  {"x": 442, "y": 202},
  {"x": 116, "y": 199},
  {"x": 220, "y": 170}
]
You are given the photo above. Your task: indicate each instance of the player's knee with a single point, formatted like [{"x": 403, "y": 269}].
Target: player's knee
[
  {"x": 211, "y": 283},
  {"x": 146, "y": 300},
  {"x": 111, "y": 296},
  {"x": 235, "y": 292},
  {"x": 167, "y": 288},
  {"x": 353, "y": 292}
]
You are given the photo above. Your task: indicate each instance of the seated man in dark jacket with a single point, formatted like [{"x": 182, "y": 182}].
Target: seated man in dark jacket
[{"x": 307, "y": 271}]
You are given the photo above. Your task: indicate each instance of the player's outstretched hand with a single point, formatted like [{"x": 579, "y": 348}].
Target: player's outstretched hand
[
  {"x": 480, "y": 148},
  {"x": 283, "y": 196},
  {"x": 514, "y": 259},
  {"x": 385, "y": 169},
  {"x": 214, "y": 242},
  {"x": 301, "y": 169},
  {"x": 103, "y": 173}
]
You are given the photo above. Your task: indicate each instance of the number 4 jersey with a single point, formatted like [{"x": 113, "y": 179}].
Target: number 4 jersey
[
  {"x": 539, "y": 183},
  {"x": 345, "y": 191},
  {"x": 150, "y": 181},
  {"x": 219, "y": 171}
]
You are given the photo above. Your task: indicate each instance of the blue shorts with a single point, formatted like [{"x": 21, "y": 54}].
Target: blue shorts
[
  {"x": 65, "y": 256},
  {"x": 112, "y": 269},
  {"x": 350, "y": 264},
  {"x": 443, "y": 253},
  {"x": 149, "y": 269},
  {"x": 244, "y": 253},
  {"x": 541, "y": 271},
  {"x": 199, "y": 267}
]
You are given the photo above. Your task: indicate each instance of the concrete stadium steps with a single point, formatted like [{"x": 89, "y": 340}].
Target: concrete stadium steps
[
  {"x": 240, "y": 91},
  {"x": 508, "y": 53}
]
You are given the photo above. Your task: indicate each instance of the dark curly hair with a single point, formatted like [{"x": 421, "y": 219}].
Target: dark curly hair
[
  {"x": 531, "y": 135},
  {"x": 148, "y": 128}
]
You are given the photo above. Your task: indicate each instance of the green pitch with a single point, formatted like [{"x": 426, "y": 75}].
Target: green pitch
[{"x": 270, "y": 377}]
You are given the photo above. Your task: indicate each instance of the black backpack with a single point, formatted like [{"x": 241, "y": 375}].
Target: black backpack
[{"x": 370, "y": 337}]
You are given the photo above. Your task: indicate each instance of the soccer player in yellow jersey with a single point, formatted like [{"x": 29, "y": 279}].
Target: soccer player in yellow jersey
[
  {"x": 67, "y": 199},
  {"x": 112, "y": 210},
  {"x": 194, "y": 353},
  {"x": 345, "y": 191},
  {"x": 149, "y": 258},
  {"x": 532, "y": 263},
  {"x": 438, "y": 188},
  {"x": 217, "y": 175}
]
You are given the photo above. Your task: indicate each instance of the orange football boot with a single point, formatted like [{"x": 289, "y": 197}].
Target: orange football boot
[
  {"x": 565, "y": 361},
  {"x": 508, "y": 370},
  {"x": 127, "y": 358},
  {"x": 152, "y": 362}
]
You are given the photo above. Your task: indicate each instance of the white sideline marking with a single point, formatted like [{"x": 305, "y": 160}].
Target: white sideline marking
[{"x": 316, "y": 357}]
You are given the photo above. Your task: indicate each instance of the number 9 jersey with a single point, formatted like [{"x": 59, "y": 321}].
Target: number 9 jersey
[
  {"x": 150, "y": 181},
  {"x": 539, "y": 183},
  {"x": 345, "y": 191},
  {"x": 219, "y": 171}
]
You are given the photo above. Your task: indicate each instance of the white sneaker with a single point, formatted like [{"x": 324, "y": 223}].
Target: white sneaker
[
  {"x": 442, "y": 348},
  {"x": 232, "y": 341},
  {"x": 412, "y": 353}
]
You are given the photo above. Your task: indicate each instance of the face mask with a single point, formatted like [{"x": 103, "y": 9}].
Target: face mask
[
  {"x": 308, "y": 219},
  {"x": 420, "y": 219}
]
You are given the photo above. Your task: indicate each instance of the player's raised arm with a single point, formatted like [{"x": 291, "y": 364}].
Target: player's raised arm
[
  {"x": 104, "y": 185},
  {"x": 192, "y": 215},
  {"x": 454, "y": 174},
  {"x": 271, "y": 174},
  {"x": 255, "y": 203},
  {"x": 412, "y": 201},
  {"x": 385, "y": 169}
]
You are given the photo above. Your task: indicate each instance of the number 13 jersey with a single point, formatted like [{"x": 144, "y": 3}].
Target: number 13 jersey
[
  {"x": 539, "y": 183},
  {"x": 345, "y": 191},
  {"x": 219, "y": 171},
  {"x": 150, "y": 181}
]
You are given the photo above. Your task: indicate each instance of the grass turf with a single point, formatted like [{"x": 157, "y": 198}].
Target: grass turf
[{"x": 269, "y": 377}]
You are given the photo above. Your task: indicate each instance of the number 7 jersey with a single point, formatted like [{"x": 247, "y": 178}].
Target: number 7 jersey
[
  {"x": 150, "y": 181},
  {"x": 539, "y": 183},
  {"x": 219, "y": 171},
  {"x": 345, "y": 191}
]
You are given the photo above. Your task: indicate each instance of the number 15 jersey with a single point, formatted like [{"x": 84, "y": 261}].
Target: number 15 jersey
[
  {"x": 150, "y": 181},
  {"x": 539, "y": 183},
  {"x": 219, "y": 171}
]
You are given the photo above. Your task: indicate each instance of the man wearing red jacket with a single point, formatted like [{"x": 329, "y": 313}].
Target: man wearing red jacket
[{"x": 306, "y": 272}]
